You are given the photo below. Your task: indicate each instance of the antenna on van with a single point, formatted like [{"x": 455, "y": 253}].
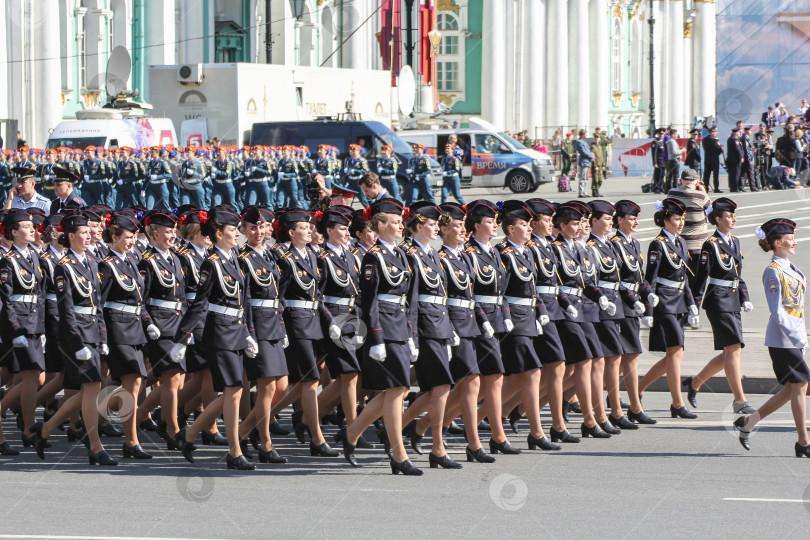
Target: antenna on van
[{"x": 119, "y": 67}]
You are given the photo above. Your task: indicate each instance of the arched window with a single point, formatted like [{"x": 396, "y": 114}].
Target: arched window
[
  {"x": 451, "y": 53},
  {"x": 616, "y": 45}
]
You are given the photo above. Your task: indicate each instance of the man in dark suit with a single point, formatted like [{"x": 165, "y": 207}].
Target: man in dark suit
[
  {"x": 657, "y": 155},
  {"x": 693, "y": 158},
  {"x": 734, "y": 160},
  {"x": 748, "y": 171},
  {"x": 769, "y": 117},
  {"x": 712, "y": 150}
]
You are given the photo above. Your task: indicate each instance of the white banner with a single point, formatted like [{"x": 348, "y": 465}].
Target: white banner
[{"x": 194, "y": 132}]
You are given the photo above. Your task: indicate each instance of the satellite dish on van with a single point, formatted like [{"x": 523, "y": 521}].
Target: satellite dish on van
[
  {"x": 119, "y": 67},
  {"x": 406, "y": 90}
]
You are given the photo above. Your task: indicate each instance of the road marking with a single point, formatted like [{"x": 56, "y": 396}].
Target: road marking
[{"x": 754, "y": 499}]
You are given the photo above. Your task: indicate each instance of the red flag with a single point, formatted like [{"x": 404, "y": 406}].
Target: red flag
[
  {"x": 391, "y": 31},
  {"x": 427, "y": 20}
]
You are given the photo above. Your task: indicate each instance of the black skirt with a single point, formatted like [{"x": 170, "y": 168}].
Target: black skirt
[
  {"x": 195, "y": 358},
  {"x": 341, "y": 356},
  {"x": 226, "y": 367},
  {"x": 629, "y": 329},
  {"x": 160, "y": 359},
  {"x": 30, "y": 358},
  {"x": 433, "y": 364},
  {"x": 78, "y": 372},
  {"x": 125, "y": 360},
  {"x": 270, "y": 362},
  {"x": 302, "y": 360},
  {"x": 574, "y": 342},
  {"x": 592, "y": 338},
  {"x": 393, "y": 372},
  {"x": 666, "y": 331},
  {"x": 488, "y": 355},
  {"x": 609, "y": 337},
  {"x": 464, "y": 362},
  {"x": 53, "y": 356},
  {"x": 519, "y": 354},
  {"x": 789, "y": 365},
  {"x": 726, "y": 328},
  {"x": 548, "y": 345}
]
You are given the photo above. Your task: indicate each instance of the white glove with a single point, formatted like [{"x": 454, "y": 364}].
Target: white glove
[
  {"x": 214, "y": 170},
  {"x": 647, "y": 321},
  {"x": 87, "y": 177},
  {"x": 693, "y": 320},
  {"x": 285, "y": 342},
  {"x": 153, "y": 332},
  {"x": 638, "y": 308},
  {"x": 252, "y": 347},
  {"x": 177, "y": 353},
  {"x": 143, "y": 193},
  {"x": 334, "y": 331},
  {"x": 153, "y": 176},
  {"x": 456, "y": 341},
  {"x": 748, "y": 307},
  {"x": 509, "y": 325},
  {"x": 84, "y": 354},
  {"x": 544, "y": 320},
  {"x": 378, "y": 353},
  {"x": 104, "y": 350},
  {"x": 20, "y": 342},
  {"x": 611, "y": 309},
  {"x": 42, "y": 339},
  {"x": 652, "y": 298},
  {"x": 572, "y": 312},
  {"x": 693, "y": 310},
  {"x": 414, "y": 350},
  {"x": 119, "y": 182},
  {"x": 603, "y": 303},
  {"x": 408, "y": 171},
  {"x": 358, "y": 340},
  {"x": 489, "y": 332},
  {"x": 539, "y": 327},
  {"x": 253, "y": 169}
]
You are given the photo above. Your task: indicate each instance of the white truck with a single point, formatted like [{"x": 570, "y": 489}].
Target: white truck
[{"x": 112, "y": 128}]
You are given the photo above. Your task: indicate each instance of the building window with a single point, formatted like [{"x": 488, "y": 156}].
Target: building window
[
  {"x": 616, "y": 56},
  {"x": 450, "y": 65}
]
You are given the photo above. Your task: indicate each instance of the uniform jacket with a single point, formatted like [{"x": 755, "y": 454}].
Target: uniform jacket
[
  {"x": 22, "y": 284},
  {"x": 570, "y": 271},
  {"x": 263, "y": 279},
  {"x": 190, "y": 263},
  {"x": 122, "y": 283},
  {"x": 490, "y": 280},
  {"x": 719, "y": 260},
  {"x": 712, "y": 149},
  {"x": 78, "y": 285},
  {"x": 784, "y": 290},
  {"x": 432, "y": 319},
  {"x": 546, "y": 276},
  {"x": 460, "y": 279},
  {"x": 692, "y": 154},
  {"x": 299, "y": 281},
  {"x": 520, "y": 283},
  {"x": 48, "y": 261},
  {"x": 163, "y": 280},
  {"x": 608, "y": 270},
  {"x": 669, "y": 260},
  {"x": 339, "y": 278}
]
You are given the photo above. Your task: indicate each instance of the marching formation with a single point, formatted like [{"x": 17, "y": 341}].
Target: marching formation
[{"x": 167, "y": 309}]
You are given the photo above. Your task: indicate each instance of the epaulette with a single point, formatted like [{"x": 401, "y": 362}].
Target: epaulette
[
  {"x": 64, "y": 260},
  {"x": 404, "y": 244},
  {"x": 46, "y": 255},
  {"x": 244, "y": 255},
  {"x": 502, "y": 242},
  {"x": 442, "y": 254},
  {"x": 324, "y": 253},
  {"x": 616, "y": 239},
  {"x": 531, "y": 243},
  {"x": 12, "y": 254},
  {"x": 557, "y": 243},
  {"x": 712, "y": 239},
  {"x": 591, "y": 242},
  {"x": 773, "y": 265},
  {"x": 508, "y": 250},
  {"x": 213, "y": 257},
  {"x": 108, "y": 258},
  {"x": 413, "y": 251},
  {"x": 659, "y": 238},
  {"x": 148, "y": 255},
  {"x": 374, "y": 249},
  {"x": 469, "y": 249},
  {"x": 286, "y": 255},
  {"x": 355, "y": 250}
]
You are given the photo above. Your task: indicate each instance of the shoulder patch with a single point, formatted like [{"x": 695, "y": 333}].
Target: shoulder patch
[
  {"x": 204, "y": 275},
  {"x": 368, "y": 271},
  {"x": 60, "y": 283}
]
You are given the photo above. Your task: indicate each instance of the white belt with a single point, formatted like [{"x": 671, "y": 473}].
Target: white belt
[
  {"x": 165, "y": 304},
  {"x": 339, "y": 301},
  {"x": 303, "y": 304},
  {"x": 259, "y": 180},
  {"x": 85, "y": 310},
  {"x": 571, "y": 291},
  {"x": 546, "y": 289},
  {"x": 613, "y": 285},
  {"x": 388, "y": 176},
  {"x": 256, "y": 302},
  {"x": 230, "y": 312},
  {"x": 136, "y": 310},
  {"x": 671, "y": 284},
  {"x": 27, "y": 298},
  {"x": 521, "y": 301},
  {"x": 630, "y": 286},
  {"x": 430, "y": 299},
  {"x": 226, "y": 181},
  {"x": 191, "y": 296},
  {"x": 161, "y": 181},
  {"x": 497, "y": 300},
  {"x": 393, "y": 298},
  {"x": 458, "y": 302},
  {"x": 50, "y": 296},
  {"x": 724, "y": 282}
]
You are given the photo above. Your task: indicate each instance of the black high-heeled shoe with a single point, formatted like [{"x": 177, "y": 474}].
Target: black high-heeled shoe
[
  {"x": 543, "y": 443},
  {"x": 445, "y": 462},
  {"x": 682, "y": 412},
  {"x": 563, "y": 436},
  {"x": 148, "y": 425},
  {"x": 270, "y": 457},
  {"x": 243, "y": 446},
  {"x": 575, "y": 407},
  {"x": 40, "y": 443},
  {"x": 802, "y": 451},
  {"x": 414, "y": 438},
  {"x": 215, "y": 439},
  {"x": 504, "y": 447},
  {"x": 565, "y": 408},
  {"x": 348, "y": 449},
  {"x": 406, "y": 467},
  {"x": 102, "y": 458},
  {"x": 253, "y": 437},
  {"x": 455, "y": 429},
  {"x": 109, "y": 430},
  {"x": 622, "y": 422},
  {"x": 8, "y": 450},
  {"x": 382, "y": 435},
  {"x": 322, "y": 450},
  {"x": 478, "y": 455},
  {"x": 514, "y": 418},
  {"x": 300, "y": 428},
  {"x": 483, "y": 425},
  {"x": 172, "y": 443},
  {"x": 596, "y": 432},
  {"x": 622, "y": 402},
  {"x": 135, "y": 452},
  {"x": 187, "y": 448},
  {"x": 691, "y": 393},
  {"x": 609, "y": 428},
  {"x": 28, "y": 442},
  {"x": 641, "y": 418},
  {"x": 240, "y": 463},
  {"x": 739, "y": 424},
  {"x": 278, "y": 429},
  {"x": 76, "y": 435}
]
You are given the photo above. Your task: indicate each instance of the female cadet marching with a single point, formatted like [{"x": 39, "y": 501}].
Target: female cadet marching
[
  {"x": 388, "y": 297},
  {"x": 127, "y": 322},
  {"x": 786, "y": 334},
  {"x": 270, "y": 365},
  {"x": 633, "y": 289},
  {"x": 719, "y": 271},
  {"x": 223, "y": 301},
  {"x": 667, "y": 266},
  {"x": 82, "y": 337}
]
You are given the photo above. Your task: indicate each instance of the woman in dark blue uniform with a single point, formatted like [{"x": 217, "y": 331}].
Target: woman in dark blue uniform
[
  {"x": 388, "y": 296},
  {"x": 489, "y": 282},
  {"x": 22, "y": 287},
  {"x": 127, "y": 322},
  {"x": 719, "y": 271},
  {"x": 82, "y": 336},
  {"x": 223, "y": 302},
  {"x": 667, "y": 266},
  {"x": 636, "y": 295},
  {"x": 270, "y": 365},
  {"x": 164, "y": 288}
]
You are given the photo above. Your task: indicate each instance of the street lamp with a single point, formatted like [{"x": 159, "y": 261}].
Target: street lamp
[
  {"x": 297, "y": 8},
  {"x": 651, "y": 21}
]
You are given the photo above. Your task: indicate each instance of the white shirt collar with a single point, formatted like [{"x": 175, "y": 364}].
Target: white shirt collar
[
  {"x": 517, "y": 247},
  {"x": 386, "y": 244},
  {"x": 82, "y": 258},
  {"x": 454, "y": 250},
  {"x": 540, "y": 240},
  {"x": 628, "y": 238},
  {"x": 164, "y": 254},
  {"x": 119, "y": 255},
  {"x": 426, "y": 249},
  {"x": 225, "y": 254},
  {"x": 24, "y": 251},
  {"x": 727, "y": 238},
  {"x": 57, "y": 253},
  {"x": 336, "y": 249},
  {"x": 200, "y": 251},
  {"x": 669, "y": 235}
]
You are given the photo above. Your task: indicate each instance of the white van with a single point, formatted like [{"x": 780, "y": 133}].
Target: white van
[
  {"x": 109, "y": 128},
  {"x": 490, "y": 158}
]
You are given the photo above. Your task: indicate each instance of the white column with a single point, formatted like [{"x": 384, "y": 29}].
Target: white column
[
  {"x": 493, "y": 73},
  {"x": 534, "y": 69},
  {"x": 704, "y": 53},
  {"x": 686, "y": 82},
  {"x": 191, "y": 31},
  {"x": 356, "y": 49},
  {"x": 47, "y": 79},
  {"x": 5, "y": 57},
  {"x": 600, "y": 63},
  {"x": 159, "y": 34},
  {"x": 557, "y": 62},
  {"x": 675, "y": 73},
  {"x": 579, "y": 81},
  {"x": 661, "y": 97},
  {"x": 511, "y": 104}
]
